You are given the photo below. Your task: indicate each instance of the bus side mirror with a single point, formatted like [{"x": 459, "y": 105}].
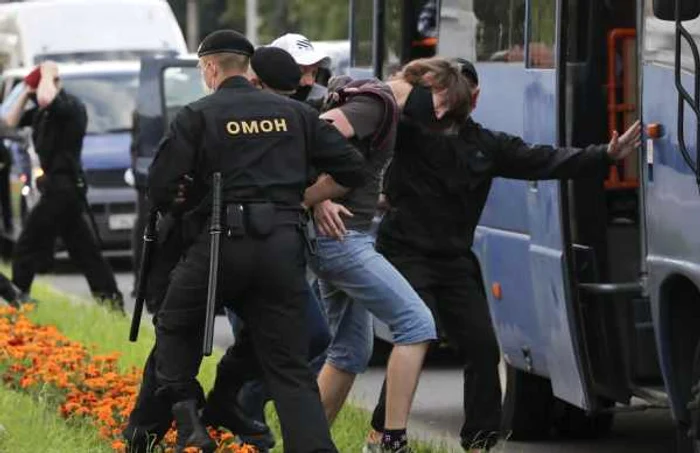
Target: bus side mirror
[{"x": 666, "y": 9}]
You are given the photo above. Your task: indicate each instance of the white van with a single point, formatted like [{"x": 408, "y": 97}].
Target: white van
[{"x": 70, "y": 31}]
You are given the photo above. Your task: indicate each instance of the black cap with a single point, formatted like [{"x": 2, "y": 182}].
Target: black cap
[
  {"x": 225, "y": 41},
  {"x": 468, "y": 70},
  {"x": 276, "y": 68}
]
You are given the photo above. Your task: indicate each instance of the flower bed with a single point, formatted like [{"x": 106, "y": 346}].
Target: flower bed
[{"x": 40, "y": 360}]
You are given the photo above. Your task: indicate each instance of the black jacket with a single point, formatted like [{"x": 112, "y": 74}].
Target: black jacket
[
  {"x": 437, "y": 185},
  {"x": 261, "y": 142}
]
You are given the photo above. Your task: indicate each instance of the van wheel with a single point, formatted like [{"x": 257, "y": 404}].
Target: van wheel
[
  {"x": 527, "y": 405},
  {"x": 573, "y": 423}
]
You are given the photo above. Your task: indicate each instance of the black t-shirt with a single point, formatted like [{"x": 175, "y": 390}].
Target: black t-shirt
[
  {"x": 58, "y": 131},
  {"x": 365, "y": 114}
]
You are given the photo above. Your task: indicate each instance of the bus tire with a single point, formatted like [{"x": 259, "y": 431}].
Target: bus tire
[
  {"x": 572, "y": 422},
  {"x": 688, "y": 437},
  {"x": 527, "y": 405}
]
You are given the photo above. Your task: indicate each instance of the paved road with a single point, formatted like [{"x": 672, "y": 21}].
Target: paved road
[{"x": 437, "y": 409}]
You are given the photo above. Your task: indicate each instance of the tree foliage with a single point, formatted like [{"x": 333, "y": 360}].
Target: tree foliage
[{"x": 317, "y": 19}]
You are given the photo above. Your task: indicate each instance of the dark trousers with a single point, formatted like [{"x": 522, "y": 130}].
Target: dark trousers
[
  {"x": 60, "y": 213},
  {"x": 238, "y": 366},
  {"x": 5, "y": 201},
  {"x": 453, "y": 289},
  {"x": 266, "y": 278},
  {"x": 137, "y": 232}
]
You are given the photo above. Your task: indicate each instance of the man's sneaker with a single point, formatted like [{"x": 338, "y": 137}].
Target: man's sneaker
[{"x": 372, "y": 447}]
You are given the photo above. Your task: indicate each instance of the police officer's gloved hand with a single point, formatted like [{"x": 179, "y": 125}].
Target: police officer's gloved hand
[{"x": 182, "y": 189}]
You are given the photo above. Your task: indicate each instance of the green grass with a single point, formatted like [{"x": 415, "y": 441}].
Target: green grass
[
  {"x": 28, "y": 426},
  {"x": 106, "y": 331}
]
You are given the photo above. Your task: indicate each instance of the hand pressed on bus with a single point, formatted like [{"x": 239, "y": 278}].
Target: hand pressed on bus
[{"x": 621, "y": 146}]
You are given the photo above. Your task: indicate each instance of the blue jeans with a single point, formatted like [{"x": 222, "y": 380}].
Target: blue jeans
[{"x": 356, "y": 280}]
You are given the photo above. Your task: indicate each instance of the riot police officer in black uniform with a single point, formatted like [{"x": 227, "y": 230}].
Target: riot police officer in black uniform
[
  {"x": 262, "y": 144},
  {"x": 58, "y": 127}
]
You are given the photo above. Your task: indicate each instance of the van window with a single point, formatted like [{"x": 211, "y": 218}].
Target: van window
[
  {"x": 110, "y": 100},
  {"x": 181, "y": 85},
  {"x": 111, "y": 55}
]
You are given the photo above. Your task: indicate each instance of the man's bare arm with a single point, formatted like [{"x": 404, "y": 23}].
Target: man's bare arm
[
  {"x": 47, "y": 90},
  {"x": 15, "y": 115},
  {"x": 325, "y": 188}
]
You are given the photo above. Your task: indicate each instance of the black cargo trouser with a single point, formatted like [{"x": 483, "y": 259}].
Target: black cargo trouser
[
  {"x": 453, "y": 290},
  {"x": 137, "y": 232},
  {"x": 266, "y": 278},
  {"x": 61, "y": 213}
]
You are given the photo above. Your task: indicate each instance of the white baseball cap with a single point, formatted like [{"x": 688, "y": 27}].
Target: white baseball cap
[{"x": 301, "y": 50}]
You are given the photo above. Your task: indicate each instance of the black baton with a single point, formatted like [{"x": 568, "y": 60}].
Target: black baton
[
  {"x": 214, "y": 249},
  {"x": 149, "y": 240}
]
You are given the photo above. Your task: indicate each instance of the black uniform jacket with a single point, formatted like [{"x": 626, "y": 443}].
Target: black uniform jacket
[
  {"x": 58, "y": 132},
  {"x": 261, "y": 142},
  {"x": 437, "y": 185}
]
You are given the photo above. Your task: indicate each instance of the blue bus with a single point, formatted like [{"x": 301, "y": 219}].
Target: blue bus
[{"x": 593, "y": 285}]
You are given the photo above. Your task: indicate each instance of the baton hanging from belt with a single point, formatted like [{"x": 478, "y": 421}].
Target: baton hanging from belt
[
  {"x": 214, "y": 250},
  {"x": 149, "y": 240}
]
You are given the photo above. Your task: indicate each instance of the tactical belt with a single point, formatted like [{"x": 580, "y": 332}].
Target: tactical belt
[{"x": 257, "y": 219}]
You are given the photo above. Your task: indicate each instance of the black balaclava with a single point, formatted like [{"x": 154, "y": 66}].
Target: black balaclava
[{"x": 419, "y": 105}]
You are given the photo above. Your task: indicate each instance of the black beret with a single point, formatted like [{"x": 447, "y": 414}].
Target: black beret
[
  {"x": 468, "y": 70},
  {"x": 276, "y": 68},
  {"x": 225, "y": 41}
]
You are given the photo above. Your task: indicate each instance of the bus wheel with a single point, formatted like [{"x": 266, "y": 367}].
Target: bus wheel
[
  {"x": 572, "y": 422},
  {"x": 688, "y": 437},
  {"x": 695, "y": 403},
  {"x": 527, "y": 405}
]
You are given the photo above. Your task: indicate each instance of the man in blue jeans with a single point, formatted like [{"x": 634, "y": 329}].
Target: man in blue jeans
[{"x": 355, "y": 280}]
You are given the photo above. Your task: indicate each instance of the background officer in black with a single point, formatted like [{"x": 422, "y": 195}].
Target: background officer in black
[
  {"x": 58, "y": 126},
  {"x": 263, "y": 144}
]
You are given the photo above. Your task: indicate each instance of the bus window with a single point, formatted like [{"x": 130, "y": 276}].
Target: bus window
[
  {"x": 493, "y": 31},
  {"x": 362, "y": 37},
  {"x": 413, "y": 36},
  {"x": 543, "y": 26}
]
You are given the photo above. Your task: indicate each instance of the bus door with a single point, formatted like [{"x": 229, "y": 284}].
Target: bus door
[{"x": 550, "y": 257}]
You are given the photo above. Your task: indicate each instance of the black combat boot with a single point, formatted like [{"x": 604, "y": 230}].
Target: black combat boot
[
  {"x": 143, "y": 439},
  {"x": 223, "y": 410},
  {"x": 11, "y": 293},
  {"x": 191, "y": 432},
  {"x": 113, "y": 301}
]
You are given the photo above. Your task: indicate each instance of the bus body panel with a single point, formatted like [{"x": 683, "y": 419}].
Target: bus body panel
[
  {"x": 519, "y": 243},
  {"x": 673, "y": 216}
]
